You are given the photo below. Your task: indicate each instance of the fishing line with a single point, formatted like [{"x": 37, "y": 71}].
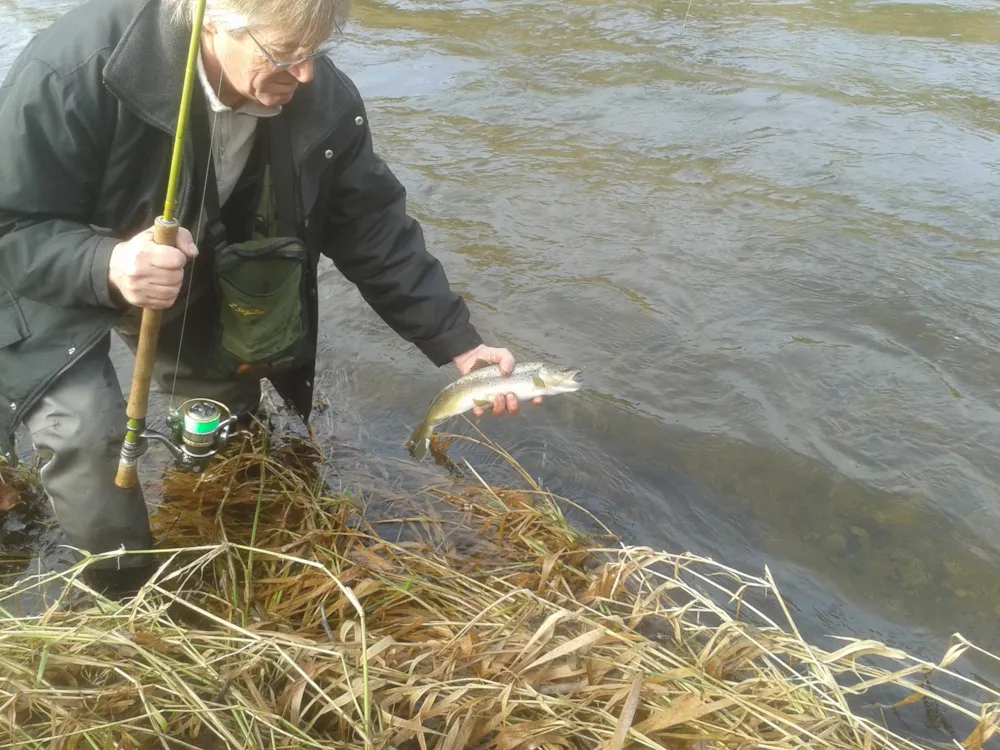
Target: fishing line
[
  {"x": 201, "y": 219},
  {"x": 686, "y": 14}
]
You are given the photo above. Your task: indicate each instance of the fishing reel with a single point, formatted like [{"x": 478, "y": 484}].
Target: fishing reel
[{"x": 200, "y": 428}]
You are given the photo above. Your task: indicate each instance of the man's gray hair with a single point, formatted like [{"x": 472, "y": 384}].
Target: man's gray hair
[{"x": 311, "y": 21}]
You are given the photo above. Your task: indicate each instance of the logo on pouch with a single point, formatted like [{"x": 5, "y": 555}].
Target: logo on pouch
[{"x": 246, "y": 312}]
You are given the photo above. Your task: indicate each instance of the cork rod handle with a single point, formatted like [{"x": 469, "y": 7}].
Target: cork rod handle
[{"x": 164, "y": 233}]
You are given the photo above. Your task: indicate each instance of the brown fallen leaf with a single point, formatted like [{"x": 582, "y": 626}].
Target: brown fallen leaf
[{"x": 9, "y": 498}]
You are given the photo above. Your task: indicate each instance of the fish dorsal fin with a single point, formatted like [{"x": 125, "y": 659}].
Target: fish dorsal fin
[{"x": 539, "y": 383}]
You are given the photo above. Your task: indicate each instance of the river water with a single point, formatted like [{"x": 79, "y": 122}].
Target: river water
[{"x": 770, "y": 232}]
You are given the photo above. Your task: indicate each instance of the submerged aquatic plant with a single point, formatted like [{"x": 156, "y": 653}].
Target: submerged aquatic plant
[{"x": 280, "y": 618}]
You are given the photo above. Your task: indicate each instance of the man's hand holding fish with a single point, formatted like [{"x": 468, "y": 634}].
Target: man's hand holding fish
[
  {"x": 491, "y": 377},
  {"x": 483, "y": 356}
]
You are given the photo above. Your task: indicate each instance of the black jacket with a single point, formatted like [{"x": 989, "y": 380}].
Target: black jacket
[{"x": 87, "y": 123}]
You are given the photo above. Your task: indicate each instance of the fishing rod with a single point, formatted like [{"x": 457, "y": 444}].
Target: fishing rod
[{"x": 199, "y": 427}]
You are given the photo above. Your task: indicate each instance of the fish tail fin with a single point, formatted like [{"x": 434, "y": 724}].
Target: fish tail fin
[{"x": 420, "y": 439}]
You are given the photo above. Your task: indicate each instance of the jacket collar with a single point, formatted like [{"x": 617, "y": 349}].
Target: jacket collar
[
  {"x": 146, "y": 68},
  {"x": 146, "y": 72}
]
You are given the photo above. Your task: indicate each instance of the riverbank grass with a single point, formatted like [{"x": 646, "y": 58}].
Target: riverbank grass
[{"x": 280, "y": 618}]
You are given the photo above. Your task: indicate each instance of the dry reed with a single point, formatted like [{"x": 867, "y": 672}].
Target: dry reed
[{"x": 279, "y": 618}]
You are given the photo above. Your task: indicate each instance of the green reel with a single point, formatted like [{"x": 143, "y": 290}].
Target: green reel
[{"x": 199, "y": 430}]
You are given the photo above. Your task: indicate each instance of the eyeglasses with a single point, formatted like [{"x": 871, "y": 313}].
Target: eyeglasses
[{"x": 323, "y": 49}]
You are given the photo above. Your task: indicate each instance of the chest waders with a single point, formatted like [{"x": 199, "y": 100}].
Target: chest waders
[{"x": 259, "y": 322}]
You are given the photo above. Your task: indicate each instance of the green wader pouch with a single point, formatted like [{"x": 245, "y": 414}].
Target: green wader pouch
[
  {"x": 263, "y": 325},
  {"x": 261, "y": 321}
]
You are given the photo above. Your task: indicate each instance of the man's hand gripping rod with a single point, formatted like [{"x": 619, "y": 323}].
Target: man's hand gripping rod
[{"x": 165, "y": 233}]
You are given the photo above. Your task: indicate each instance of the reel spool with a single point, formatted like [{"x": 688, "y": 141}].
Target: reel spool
[{"x": 200, "y": 429}]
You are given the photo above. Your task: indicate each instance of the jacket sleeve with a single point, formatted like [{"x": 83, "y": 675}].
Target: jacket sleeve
[
  {"x": 51, "y": 160},
  {"x": 381, "y": 249}
]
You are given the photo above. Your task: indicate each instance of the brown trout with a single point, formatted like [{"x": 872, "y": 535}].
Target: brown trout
[{"x": 528, "y": 381}]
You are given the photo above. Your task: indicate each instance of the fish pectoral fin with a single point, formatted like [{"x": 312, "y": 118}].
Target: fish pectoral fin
[
  {"x": 482, "y": 403},
  {"x": 419, "y": 439},
  {"x": 418, "y": 449},
  {"x": 539, "y": 383}
]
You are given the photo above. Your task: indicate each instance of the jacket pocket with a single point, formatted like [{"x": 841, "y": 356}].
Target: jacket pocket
[{"x": 13, "y": 326}]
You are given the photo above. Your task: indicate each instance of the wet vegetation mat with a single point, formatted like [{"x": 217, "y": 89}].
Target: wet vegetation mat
[
  {"x": 22, "y": 519},
  {"x": 280, "y": 617}
]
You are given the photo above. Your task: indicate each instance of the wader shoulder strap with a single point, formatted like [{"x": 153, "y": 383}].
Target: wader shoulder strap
[{"x": 286, "y": 188}]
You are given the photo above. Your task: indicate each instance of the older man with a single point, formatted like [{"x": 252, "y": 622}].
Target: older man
[{"x": 279, "y": 169}]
